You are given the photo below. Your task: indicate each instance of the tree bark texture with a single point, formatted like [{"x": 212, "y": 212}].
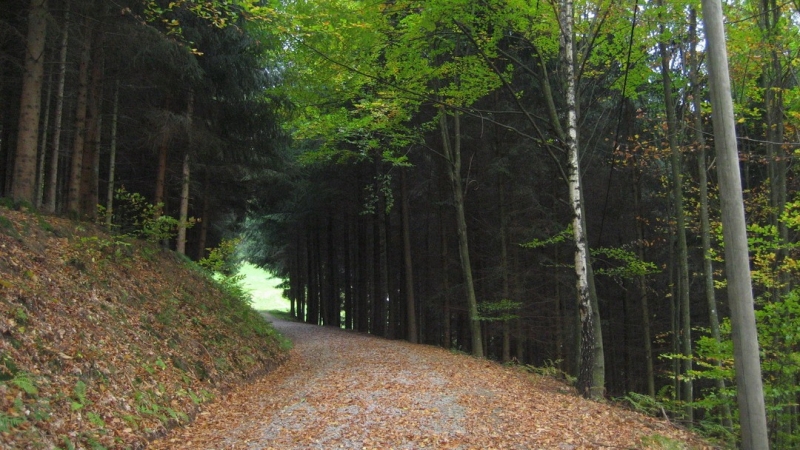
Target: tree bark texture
[
  {"x": 585, "y": 376},
  {"x": 705, "y": 225},
  {"x": 23, "y": 185},
  {"x": 750, "y": 394}
]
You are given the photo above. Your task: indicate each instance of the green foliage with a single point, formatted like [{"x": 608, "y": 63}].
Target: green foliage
[
  {"x": 8, "y": 422},
  {"x": 134, "y": 216},
  {"x": 8, "y": 368},
  {"x": 659, "y": 442},
  {"x": 24, "y": 382},
  {"x": 79, "y": 400},
  {"x": 501, "y": 310},
  {"x": 615, "y": 262},
  {"x": 95, "y": 419},
  {"x": 621, "y": 263},
  {"x": 564, "y": 235},
  {"x": 644, "y": 404},
  {"x": 221, "y": 259},
  {"x": 779, "y": 339},
  {"x": 8, "y": 228},
  {"x": 97, "y": 248},
  {"x": 382, "y": 189}
]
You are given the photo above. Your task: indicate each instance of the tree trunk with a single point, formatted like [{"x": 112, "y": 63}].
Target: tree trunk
[
  {"x": 452, "y": 153},
  {"x": 112, "y": 158},
  {"x": 365, "y": 273},
  {"x": 23, "y": 185},
  {"x": 184, "y": 207},
  {"x": 186, "y": 172},
  {"x": 446, "y": 329},
  {"x": 381, "y": 274},
  {"x": 705, "y": 226},
  {"x": 506, "y": 292},
  {"x": 43, "y": 144},
  {"x": 161, "y": 174},
  {"x": 91, "y": 147},
  {"x": 334, "y": 309},
  {"x": 411, "y": 310},
  {"x": 348, "y": 272},
  {"x": 750, "y": 394},
  {"x": 674, "y": 311},
  {"x": 205, "y": 218},
  {"x": 683, "y": 253},
  {"x": 313, "y": 274},
  {"x": 642, "y": 284},
  {"x": 76, "y": 165},
  {"x": 772, "y": 73},
  {"x": 52, "y": 182},
  {"x": 585, "y": 378},
  {"x": 598, "y": 359}
]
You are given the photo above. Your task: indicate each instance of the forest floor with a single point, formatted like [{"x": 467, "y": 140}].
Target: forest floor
[
  {"x": 107, "y": 341},
  {"x": 342, "y": 389}
]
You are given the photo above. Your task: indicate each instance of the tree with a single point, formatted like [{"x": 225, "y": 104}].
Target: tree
[
  {"x": 411, "y": 310},
  {"x": 585, "y": 378},
  {"x": 705, "y": 225},
  {"x": 680, "y": 226},
  {"x": 52, "y": 179},
  {"x": 752, "y": 415},
  {"x": 452, "y": 155},
  {"x": 183, "y": 219},
  {"x": 76, "y": 160},
  {"x": 23, "y": 187}
]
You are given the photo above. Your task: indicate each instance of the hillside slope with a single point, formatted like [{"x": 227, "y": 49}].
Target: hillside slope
[{"x": 105, "y": 342}]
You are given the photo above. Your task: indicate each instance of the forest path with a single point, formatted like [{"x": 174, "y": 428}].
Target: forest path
[{"x": 342, "y": 389}]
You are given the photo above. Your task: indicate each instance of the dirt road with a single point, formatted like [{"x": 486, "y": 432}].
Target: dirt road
[{"x": 342, "y": 389}]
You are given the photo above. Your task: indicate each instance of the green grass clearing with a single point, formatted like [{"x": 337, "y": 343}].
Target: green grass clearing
[{"x": 262, "y": 286}]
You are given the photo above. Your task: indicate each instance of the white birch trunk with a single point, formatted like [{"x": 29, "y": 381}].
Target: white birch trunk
[{"x": 574, "y": 173}]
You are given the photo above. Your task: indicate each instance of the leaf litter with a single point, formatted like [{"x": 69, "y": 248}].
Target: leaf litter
[
  {"x": 342, "y": 389},
  {"x": 106, "y": 343}
]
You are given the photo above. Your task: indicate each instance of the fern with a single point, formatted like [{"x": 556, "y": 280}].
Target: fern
[
  {"x": 9, "y": 422},
  {"x": 96, "y": 420},
  {"x": 79, "y": 396},
  {"x": 68, "y": 443},
  {"x": 24, "y": 382}
]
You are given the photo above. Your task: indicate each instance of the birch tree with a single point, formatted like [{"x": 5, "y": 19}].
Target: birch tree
[{"x": 585, "y": 379}]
